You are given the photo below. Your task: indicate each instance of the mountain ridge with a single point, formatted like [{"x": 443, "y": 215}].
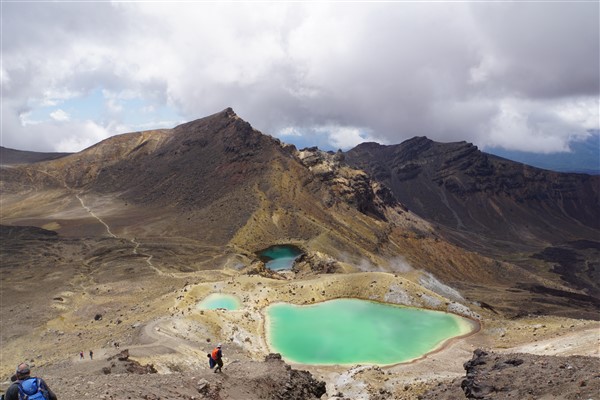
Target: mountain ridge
[{"x": 128, "y": 236}]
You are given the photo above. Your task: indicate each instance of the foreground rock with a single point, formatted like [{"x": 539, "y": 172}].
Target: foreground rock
[
  {"x": 271, "y": 379},
  {"x": 523, "y": 376}
]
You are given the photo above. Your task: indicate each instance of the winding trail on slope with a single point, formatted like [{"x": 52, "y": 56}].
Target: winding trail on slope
[
  {"x": 100, "y": 220},
  {"x": 148, "y": 257},
  {"x": 94, "y": 215},
  {"x": 155, "y": 341}
]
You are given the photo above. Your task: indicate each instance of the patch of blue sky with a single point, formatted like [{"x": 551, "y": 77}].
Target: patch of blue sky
[
  {"x": 86, "y": 107},
  {"x": 98, "y": 106},
  {"x": 303, "y": 138},
  {"x": 326, "y": 137},
  {"x": 143, "y": 114}
]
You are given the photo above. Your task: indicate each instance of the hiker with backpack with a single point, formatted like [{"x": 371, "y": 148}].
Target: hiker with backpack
[
  {"x": 27, "y": 387},
  {"x": 217, "y": 357}
]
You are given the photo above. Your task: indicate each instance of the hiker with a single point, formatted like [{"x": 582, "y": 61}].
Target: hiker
[
  {"x": 28, "y": 387},
  {"x": 217, "y": 357},
  {"x": 211, "y": 362},
  {"x": 91, "y": 355},
  {"x": 81, "y": 355}
]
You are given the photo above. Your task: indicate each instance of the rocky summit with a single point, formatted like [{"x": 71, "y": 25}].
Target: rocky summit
[{"x": 112, "y": 250}]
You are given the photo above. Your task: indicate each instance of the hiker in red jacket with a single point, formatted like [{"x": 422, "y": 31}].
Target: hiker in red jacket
[{"x": 217, "y": 357}]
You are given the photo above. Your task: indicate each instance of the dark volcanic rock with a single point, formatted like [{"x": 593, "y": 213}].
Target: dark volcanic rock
[
  {"x": 316, "y": 263},
  {"x": 466, "y": 190},
  {"x": 523, "y": 376},
  {"x": 26, "y": 233},
  {"x": 11, "y": 156},
  {"x": 494, "y": 206}
]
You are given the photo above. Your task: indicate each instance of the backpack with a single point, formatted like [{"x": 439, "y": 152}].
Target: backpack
[
  {"x": 215, "y": 354},
  {"x": 31, "y": 389}
]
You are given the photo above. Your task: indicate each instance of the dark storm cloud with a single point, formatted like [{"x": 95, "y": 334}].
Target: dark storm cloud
[{"x": 544, "y": 49}]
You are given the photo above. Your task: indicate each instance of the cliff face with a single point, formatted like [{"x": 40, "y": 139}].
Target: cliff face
[{"x": 477, "y": 196}]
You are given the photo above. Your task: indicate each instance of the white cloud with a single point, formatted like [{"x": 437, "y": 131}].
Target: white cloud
[
  {"x": 344, "y": 137},
  {"x": 60, "y": 115},
  {"x": 529, "y": 126},
  {"x": 4, "y": 78},
  {"x": 581, "y": 112},
  {"x": 55, "y": 96},
  {"x": 290, "y": 131},
  {"x": 114, "y": 106},
  {"x": 25, "y": 119},
  {"x": 448, "y": 71},
  {"x": 81, "y": 136}
]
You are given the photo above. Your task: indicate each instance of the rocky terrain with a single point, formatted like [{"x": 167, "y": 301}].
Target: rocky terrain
[
  {"x": 119, "y": 243},
  {"x": 543, "y": 221},
  {"x": 116, "y": 377},
  {"x": 523, "y": 376}
]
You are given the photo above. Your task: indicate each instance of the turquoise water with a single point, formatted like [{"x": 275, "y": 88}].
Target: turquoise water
[
  {"x": 279, "y": 257},
  {"x": 218, "y": 300},
  {"x": 350, "y": 331}
]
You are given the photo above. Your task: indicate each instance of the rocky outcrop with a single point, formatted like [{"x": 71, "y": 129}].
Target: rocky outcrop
[
  {"x": 259, "y": 268},
  {"x": 482, "y": 202},
  {"x": 121, "y": 361},
  {"x": 315, "y": 263},
  {"x": 456, "y": 185},
  {"x": 348, "y": 185},
  {"x": 496, "y": 376},
  {"x": 269, "y": 379},
  {"x": 299, "y": 384}
]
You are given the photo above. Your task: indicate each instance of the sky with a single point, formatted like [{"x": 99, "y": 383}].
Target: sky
[{"x": 515, "y": 75}]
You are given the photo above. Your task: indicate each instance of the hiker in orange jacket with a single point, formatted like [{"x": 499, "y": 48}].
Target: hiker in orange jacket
[{"x": 217, "y": 357}]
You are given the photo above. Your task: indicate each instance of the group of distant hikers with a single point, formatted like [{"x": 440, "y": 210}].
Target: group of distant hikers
[
  {"x": 27, "y": 387},
  {"x": 81, "y": 357}
]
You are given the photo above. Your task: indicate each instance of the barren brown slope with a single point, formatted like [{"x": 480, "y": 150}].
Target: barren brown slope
[
  {"x": 473, "y": 193},
  {"x": 203, "y": 180},
  {"x": 547, "y": 222},
  {"x": 210, "y": 193},
  {"x": 215, "y": 180},
  {"x": 212, "y": 182},
  {"x": 150, "y": 223},
  {"x": 12, "y": 156}
]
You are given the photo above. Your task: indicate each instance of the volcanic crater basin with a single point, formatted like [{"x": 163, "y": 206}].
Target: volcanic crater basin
[
  {"x": 347, "y": 331},
  {"x": 280, "y": 257},
  {"x": 216, "y": 301}
]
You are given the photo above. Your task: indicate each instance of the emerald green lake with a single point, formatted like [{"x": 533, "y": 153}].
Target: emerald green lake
[
  {"x": 350, "y": 331},
  {"x": 279, "y": 257},
  {"x": 219, "y": 300}
]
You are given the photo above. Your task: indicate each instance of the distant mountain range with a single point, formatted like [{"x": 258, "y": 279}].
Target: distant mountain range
[
  {"x": 11, "y": 156},
  {"x": 218, "y": 186},
  {"x": 584, "y": 157}
]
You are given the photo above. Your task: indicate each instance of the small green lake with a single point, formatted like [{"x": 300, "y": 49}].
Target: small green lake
[
  {"x": 279, "y": 257},
  {"x": 350, "y": 331},
  {"x": 218, "y": 300}
]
